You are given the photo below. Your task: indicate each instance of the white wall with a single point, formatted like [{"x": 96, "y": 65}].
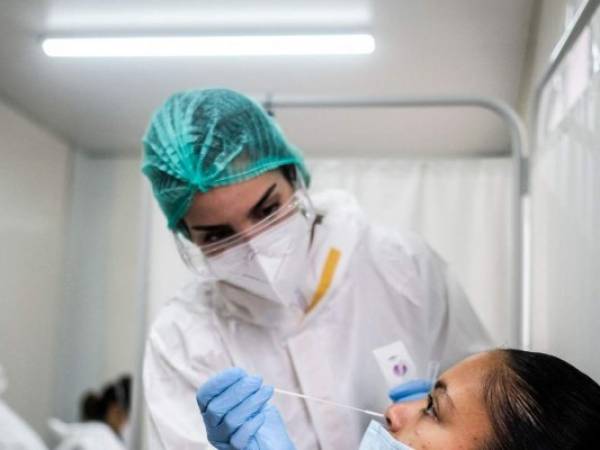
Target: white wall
[
  {"x": 98, "y": 319},
  {"x": 34, "y": 172}
]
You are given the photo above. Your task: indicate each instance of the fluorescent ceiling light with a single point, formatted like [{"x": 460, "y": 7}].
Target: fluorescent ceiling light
[{"x": 332, "y": 44}]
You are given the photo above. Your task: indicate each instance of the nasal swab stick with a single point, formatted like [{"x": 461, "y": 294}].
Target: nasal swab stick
[
  {"x": 432, "y": 373},
  {"x": 328, "y": 402}
]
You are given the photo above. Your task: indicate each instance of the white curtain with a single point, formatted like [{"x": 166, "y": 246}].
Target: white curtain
[
  {"x": 462, "y": 207},
  {"x": 565, "y": 200}
]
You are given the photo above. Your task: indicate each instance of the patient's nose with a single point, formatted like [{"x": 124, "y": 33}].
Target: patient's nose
[{"x": 400, "y": 415}]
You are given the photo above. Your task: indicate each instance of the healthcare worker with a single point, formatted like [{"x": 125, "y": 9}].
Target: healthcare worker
[
  {"x": 15, "y": 433},
  {"x": 302, "y": 289}
]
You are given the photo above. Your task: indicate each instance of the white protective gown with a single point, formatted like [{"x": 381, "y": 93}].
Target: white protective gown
[
  {"x": 85, "y": 436},
  {"x": 369, "y": 287},
  {"x": 15, "y": 433}
]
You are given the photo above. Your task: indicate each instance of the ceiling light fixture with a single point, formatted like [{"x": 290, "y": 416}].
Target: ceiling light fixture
[{"x": 99, "y": 47}]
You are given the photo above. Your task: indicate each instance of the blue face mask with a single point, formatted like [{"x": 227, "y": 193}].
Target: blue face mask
[{"x": 378, "y": 438}]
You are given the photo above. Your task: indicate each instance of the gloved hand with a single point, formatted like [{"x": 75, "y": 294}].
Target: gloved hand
[
  {"x": 236, "y": 418},
  {"x": 272, "y": 434},
  {"x": 411, "y": 390}
]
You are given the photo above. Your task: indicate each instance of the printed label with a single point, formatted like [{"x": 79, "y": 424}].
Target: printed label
[{"x": 395, "y": 363}]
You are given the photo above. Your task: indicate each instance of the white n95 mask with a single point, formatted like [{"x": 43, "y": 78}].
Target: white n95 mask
[
  {"x": 378, "y": 438},
  {"x": 270, "y": 259},
  {"x": 273, "y": 265}
]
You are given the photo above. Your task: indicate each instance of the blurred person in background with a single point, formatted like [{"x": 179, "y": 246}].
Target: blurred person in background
[{"x": 104, "y": 420}]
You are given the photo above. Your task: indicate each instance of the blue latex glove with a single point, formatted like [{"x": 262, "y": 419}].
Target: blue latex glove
[
  {"x": 272, "y": 434},
  {"x": 234, "y": 413},
  {"x": 228, "y": 401},
  {"x": 411, "y": 390}
]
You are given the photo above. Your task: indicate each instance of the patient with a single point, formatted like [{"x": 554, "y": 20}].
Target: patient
[
  {"x": 498, "y": 400},
  {"x": 501, "y": 400}
]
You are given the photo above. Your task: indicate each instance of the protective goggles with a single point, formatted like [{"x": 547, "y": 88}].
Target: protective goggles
[{"x": 196, "y": 255}]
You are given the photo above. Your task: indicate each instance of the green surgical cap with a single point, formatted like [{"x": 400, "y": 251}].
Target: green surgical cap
[{"x": 199, "y": 140}]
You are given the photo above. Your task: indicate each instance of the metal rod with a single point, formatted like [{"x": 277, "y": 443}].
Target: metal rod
[{"x": 518, "y": 145}]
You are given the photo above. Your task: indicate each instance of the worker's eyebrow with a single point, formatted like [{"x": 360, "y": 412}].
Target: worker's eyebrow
[
  {"x": 257, "y": 205},
  {"x": 264, "y": 198}
]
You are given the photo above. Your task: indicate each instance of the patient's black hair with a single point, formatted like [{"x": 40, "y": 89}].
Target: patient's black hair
[{"x": 540, "y": 402}]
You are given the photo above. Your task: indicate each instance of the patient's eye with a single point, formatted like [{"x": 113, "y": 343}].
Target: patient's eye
[{"x": 430, "y": 409}]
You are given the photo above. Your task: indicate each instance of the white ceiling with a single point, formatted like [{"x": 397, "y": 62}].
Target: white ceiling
[{"x": 425, "y": 47}]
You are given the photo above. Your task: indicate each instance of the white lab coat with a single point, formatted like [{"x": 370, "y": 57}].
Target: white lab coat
[
  {"x": 386, "y": 287},
  {"x": 15, "y": 434},
  {"x": 85, "y": 436}
]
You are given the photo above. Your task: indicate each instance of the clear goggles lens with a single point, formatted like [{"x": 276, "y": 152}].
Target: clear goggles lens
[{"x": 194, "y": 254}]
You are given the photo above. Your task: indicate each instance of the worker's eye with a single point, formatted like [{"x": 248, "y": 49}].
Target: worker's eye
[
  {"x": 213, "y": 236},
  {"x": 266, "y": 211},
  {"x": 430, "y": 410}
]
